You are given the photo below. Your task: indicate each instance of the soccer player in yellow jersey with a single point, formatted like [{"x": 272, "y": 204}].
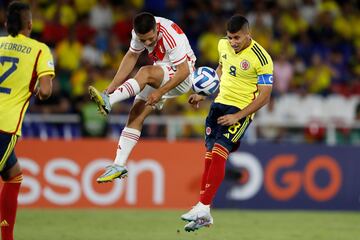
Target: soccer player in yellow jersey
[
  {"x": 26, "y": 67},
  {"x": 246, "y": 75}
]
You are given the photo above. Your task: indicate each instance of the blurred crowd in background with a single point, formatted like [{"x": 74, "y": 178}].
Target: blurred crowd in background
[{"x": 315, "y": 46}]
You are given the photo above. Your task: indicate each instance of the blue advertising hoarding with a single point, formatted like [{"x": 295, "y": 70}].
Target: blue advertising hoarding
[{"x": 276, "y": 176}]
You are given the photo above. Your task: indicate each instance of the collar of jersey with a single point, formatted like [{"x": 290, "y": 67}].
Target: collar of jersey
[
  {"x": 251, "y": 44},
  {"x": 19, "y": 36}
]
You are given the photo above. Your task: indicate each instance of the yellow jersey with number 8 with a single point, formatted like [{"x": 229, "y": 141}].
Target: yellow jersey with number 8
[
  {"x": 22, "y": 61},
  {"x": 240, "y": 73}
]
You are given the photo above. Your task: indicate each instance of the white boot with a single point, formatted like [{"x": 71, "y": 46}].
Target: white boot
[
  {"x": 204, "y": 219},
  {"x": 192, "y": 215}
]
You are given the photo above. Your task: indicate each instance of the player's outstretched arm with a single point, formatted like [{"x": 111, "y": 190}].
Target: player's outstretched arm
[
  {"x": 126, "y": 66},
  {"x": 45, "y": 87},
  {"x": 182, "y": 72}
]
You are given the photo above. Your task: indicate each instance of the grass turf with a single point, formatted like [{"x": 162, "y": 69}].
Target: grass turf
[{"x": 63, "y": 224}]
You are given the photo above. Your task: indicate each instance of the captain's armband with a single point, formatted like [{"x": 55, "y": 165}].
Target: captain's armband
[{"x": 266, "y": 79}]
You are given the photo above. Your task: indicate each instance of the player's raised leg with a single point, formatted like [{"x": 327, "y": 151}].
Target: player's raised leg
[
  {"x": 128, "y": 139},
  {"x": 147, "y": 75}
]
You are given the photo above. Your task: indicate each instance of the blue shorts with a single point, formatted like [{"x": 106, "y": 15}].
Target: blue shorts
[
  {"x": 7, "y": 155},
  {"x": 227, "y": 136}
]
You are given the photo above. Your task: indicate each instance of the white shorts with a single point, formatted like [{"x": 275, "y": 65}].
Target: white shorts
[{"x": 180, "y": 89}]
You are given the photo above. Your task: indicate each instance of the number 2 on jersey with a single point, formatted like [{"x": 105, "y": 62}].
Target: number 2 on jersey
[{"x": 8, "y": 72}]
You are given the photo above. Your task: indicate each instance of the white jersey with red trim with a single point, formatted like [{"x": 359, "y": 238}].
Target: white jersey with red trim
[{"x": 172, "y": 47}]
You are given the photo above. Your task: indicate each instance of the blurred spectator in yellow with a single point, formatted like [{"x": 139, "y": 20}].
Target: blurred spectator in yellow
[
  {"x": 102, "y": 77},
  {"x": 318, "y": 76},
  {"x": 65, "y": 10},
  {"x": 208, "y": 44},
  {"x": 83, "y": 7},
  {"x": 261, "y": 32},
  {"x": 79, "y": 80},
  {"x": 330, "y": 6},
  {"x": 68, "y": 53},
  {"x": 292, "y": 23},
  {"x": 283, "y": 45}
]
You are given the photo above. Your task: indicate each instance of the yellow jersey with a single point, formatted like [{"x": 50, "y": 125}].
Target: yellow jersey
[
  {"x": 241, "y": 73},
  {"x": 22, "y": 61}
]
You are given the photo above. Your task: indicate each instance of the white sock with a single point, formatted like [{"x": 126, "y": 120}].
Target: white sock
[
  {"x": 128, "y": 139},
  {"x": 128, "y": 89}
]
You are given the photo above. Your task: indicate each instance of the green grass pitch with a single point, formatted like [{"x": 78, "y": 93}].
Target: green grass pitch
[{"x": 60, "y": 224}]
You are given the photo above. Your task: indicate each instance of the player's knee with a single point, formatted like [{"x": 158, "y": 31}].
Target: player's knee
[{"x": 143, "y": 74}]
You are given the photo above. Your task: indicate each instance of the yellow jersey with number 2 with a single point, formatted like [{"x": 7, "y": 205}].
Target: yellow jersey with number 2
[{"x": 22, "y": 61}]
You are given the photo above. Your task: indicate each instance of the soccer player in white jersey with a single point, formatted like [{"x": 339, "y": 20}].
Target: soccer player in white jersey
[{"x": 168, "y": 77}]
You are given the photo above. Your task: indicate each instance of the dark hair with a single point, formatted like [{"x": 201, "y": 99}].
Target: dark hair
[
  {"x": 236, "y": 23},
  {"x": 14, "y": 23},
  {"x": 144, "y": 22}
]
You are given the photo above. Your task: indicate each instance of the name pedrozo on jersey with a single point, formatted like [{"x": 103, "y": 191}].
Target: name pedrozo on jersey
[{"x": 15, "y": 47}]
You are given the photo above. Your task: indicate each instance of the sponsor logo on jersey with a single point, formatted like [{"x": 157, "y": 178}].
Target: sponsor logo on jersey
[{"x": 244, "y": 65}]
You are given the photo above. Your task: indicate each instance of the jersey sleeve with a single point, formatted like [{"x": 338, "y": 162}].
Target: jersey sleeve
[
  {"x": 264, "y": 65},
  {"x": 220, "y": 50},
  {"x": 45, "y": 64},
  {"x": 136, "y": 45}
]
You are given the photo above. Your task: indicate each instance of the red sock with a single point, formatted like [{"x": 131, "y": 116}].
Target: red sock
[
  {"x": 205, "y": 174},
  {"x": 216, "y": 173},
  {"x": 8, "y": 206}
]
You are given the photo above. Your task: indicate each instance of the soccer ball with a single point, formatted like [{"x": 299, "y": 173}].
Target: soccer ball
[{"x": 205, "y": 81}]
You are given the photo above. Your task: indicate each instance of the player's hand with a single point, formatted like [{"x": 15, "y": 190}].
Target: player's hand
[
  {"x": 228, "y": 120},
  {"x": 195, "y": 100},
  {"x": 153, "y": 98}
]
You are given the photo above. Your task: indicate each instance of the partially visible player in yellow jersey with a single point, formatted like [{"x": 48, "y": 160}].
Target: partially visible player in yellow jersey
[
  {"x": 246, "y": 75},
  {"x": 26, "y": 67}
]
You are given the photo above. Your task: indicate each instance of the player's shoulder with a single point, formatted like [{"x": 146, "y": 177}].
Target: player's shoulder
[
  {"x": 163, "y": 21},
  {"x": 256, "y": 51},
  {"x": 4, "y": 38},
  {"x": 36, "y": 43},
  {"x": 223, "y": 43}
]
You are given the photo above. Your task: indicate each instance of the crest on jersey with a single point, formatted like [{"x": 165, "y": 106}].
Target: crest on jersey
[
  {"x": 208, "y": 131},
  {"x": 244, "y": 65}
]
